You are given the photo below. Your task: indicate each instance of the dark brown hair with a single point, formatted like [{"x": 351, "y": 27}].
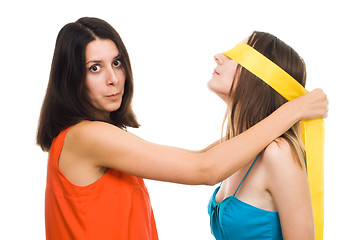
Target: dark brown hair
[
  {"x": 252, "y": 100},
  {"x": 66, "y": 100}
]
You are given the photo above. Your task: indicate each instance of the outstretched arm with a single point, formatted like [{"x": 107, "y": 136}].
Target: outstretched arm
[{"x": 104, "y": 145}]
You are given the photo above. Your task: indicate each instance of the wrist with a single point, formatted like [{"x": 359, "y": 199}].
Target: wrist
[{"x": 292, "y": 110}]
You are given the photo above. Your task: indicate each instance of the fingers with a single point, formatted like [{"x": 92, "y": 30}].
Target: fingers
[
  {"x": 326, "y": 104},
  {"x": 327, "y": 108},
  {"x": 324, "y": 100}
]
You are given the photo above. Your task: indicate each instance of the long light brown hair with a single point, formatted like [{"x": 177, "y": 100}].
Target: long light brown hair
[{"x": 251, "y": 100}]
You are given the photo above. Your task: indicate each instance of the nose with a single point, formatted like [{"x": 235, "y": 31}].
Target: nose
[
  {"x": 111, "y": 78},
  {"x": 218, "y": 58}
]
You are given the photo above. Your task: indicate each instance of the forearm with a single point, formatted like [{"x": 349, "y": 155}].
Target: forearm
[
  {"x": 210, "y": 146},
  {"x": 202, "y": 150},
  {"x": 225, "y": 159}
]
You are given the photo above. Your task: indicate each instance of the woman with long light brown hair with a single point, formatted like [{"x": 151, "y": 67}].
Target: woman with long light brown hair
[{"x": 269, "y": 197}]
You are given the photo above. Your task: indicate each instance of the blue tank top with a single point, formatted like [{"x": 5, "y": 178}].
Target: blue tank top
[{"x": 235, "y": 219}]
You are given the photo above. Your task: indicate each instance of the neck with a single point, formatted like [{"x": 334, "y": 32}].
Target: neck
[{"x": 102, "y": 116}]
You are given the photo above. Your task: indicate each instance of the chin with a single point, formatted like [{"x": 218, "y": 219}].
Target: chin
[
  {"x": 118, "y": 106},
  {"x": 113, "y": 108},
  {"x": 210, "y": 85},
  {"x": 223, "y": 96}
]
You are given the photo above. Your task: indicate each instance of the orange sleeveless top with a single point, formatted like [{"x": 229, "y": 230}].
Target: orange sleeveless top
[{"x": 117, "y": 206}]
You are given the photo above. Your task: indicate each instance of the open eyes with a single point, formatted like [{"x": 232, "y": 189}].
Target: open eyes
[
  {"x": 96, "y": 67},
  {"x": 117, "y": 63}
]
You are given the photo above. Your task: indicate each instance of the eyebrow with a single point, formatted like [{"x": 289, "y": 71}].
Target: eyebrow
[
  {"x": 99, "y": 61},
  {"x": 93, "y": 61}
]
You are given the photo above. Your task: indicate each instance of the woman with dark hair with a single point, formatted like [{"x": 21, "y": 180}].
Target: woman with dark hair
[
  {"x": 269, "y": 197},
  {"x": 94, "y": 187}
]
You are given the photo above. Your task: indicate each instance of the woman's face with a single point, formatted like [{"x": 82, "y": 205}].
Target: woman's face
[
  {"x": 223, "y": 76},
  {"x": 105, "y": 76}
]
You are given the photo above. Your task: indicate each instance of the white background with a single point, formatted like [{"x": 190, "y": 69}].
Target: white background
[{"x": 171, "y": 46}]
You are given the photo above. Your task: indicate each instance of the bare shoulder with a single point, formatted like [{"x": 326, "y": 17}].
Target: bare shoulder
[
  {"x": 83, "y": 143},
  {"x": 277, "y": 152},
  {"x": 91, "y": 130},
  {"x": 281, "y": 168},
  {"x": 88, "y": 135},
  {"x": 278, "y": 156},
  {"x": 88, "y": 128}
]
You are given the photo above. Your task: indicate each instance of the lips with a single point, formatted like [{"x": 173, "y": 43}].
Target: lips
[
  {"x": 113, "y": 96},
  {"x": 215, "y": 72}
]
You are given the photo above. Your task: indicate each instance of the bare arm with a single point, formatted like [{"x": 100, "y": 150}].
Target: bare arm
[
  {"x": 203, "y": 150},
  {"x": 105, "y": 145},
  {"x": 287, "y": 183}
]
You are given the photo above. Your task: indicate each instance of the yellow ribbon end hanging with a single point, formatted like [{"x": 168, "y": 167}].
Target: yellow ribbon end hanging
[{"x": 312, "y": 130}]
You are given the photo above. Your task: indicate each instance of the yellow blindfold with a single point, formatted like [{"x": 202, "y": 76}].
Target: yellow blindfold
[{"x": 312, "y": 130}]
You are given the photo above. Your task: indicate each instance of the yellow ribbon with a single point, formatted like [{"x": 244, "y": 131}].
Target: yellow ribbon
[{"x": 312, "y": 130}]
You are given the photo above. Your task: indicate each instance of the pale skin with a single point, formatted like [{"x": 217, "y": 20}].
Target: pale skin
[
  {"x": 90, "y": 148},
  {"x": 276, "y": 182}
]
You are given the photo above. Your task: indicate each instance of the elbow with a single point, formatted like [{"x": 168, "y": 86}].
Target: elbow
[
  {"x": 208, "y": 179},
  {"x": 208, "y": 173},
  {"x": 211, "y": 183}
]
